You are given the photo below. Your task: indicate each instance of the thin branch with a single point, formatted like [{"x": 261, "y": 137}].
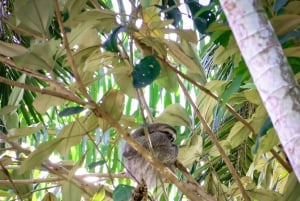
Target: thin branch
[
  {"x": 33, "y": 181},
  {"x": 22, "y": 31},
  {"x": 281, "y": 161},
  {"x": 80, "y": 84},
  {"x": 10, "y": 181},
  {"x": 100, "y": 176},
  {"x": 214, "y": 139},
  {"x": 43, "y": 91},
  {"x": 37, "y": 75}
]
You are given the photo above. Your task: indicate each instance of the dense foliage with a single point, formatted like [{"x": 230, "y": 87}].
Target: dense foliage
[{"x": 77, "y": 76}]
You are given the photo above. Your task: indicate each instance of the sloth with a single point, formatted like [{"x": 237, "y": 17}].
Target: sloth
[{"x": 162, "y": 137}]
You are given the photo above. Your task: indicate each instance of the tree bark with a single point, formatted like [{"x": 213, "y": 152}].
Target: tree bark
[{"x": 270, "y": 71}]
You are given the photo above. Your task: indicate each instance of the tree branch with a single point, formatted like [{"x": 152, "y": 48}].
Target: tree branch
[
  {"x": 81, "y": 86},
  {"x": 43, "y": 91}
]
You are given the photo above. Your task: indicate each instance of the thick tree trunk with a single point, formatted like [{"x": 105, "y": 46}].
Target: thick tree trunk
[{"x": 270, "y": 71}]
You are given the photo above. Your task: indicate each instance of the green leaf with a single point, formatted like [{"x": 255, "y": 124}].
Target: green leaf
[
  {"x": 41, "y": 56},
  {"x": 43, "y": 102},
  {"x": 167, "y": 79},
  {"x": 122, "y": 192},
  {"x": 72, "y": 133},
  {"x": 11, "y": 50},
  {"x": 35, "y": 15},
  {"x": 39, "y": 155},
  {"x": 122, "y": 76},
  {"x": 7, "y": 109},
  {"x": 11, "y": 120},
  {"x": 99, "y": 196},
  {"x": 179, "y": 55},
  {"x": 174, "y": 115},
  {"x": 17, "y": 93},
  {"x": 16, "y": 133},
  {"x": 267, "y": 142},
  {"x": 238, "y": 134},
  {"x": 145, "y": 72},
  {"x": 70, "y": 191},
  {"x": 282, "y": 24},
  {"x": 111, "y": 43},
  {"x": 113, "y": 104},
  {"x": 70, "y": 111},
  {"x": 49, "y": 197},
  {"x": 191, "y": 150}
]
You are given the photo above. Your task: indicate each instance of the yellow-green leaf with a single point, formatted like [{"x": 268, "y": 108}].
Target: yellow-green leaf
[
  {"x": 174, "y": 115},
  {"x": 16, "y": 133},
  {"x": 49, "y": 197},
  {"x": 191, "y": 151},
  {"x": 11, "y": 50},
  {"x": 238, "y": 134},
  {"x": 285, "y": 23},
  {"x": 72, "y": 133},
  {"x": 70, "y": 191},
  {"x": 39, "y": 155},
  {"x": 179, "y": 56},
  {"x": 17, "y": 93},
  {"x": 113, "y": 104},
  {"x": 43, "y": 102}
]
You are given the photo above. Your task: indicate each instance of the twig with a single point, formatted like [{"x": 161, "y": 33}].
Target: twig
[
  {"x": 22, "y": 31},
  {"x": 281, "y": 161},
  {"x": 216, "y": 142},
  {"x": 80, "y": 84},
  {"x": 192, "y": 182},
  {"x": 33, "y": 181},
  {"x": 35, "y": 74},
  {"x": 10, "y": 181},
  {"x": 43, "y": 91}
]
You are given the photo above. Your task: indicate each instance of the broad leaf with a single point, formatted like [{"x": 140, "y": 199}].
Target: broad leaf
[
  {"x": 191, "y": 150},
  {"x": 17, "y": 93},
  {"x": 70, "y": 191},
  {"x": 145, "y": 72},
  {"x": 174, "y": 115},
  {"x": 11, "y": 50},
  {"x": 16, "y": 133},
  {"x": 70, "y": 111},
  {"x": 39, "y": 155},
  {"x": 122, "y": 192},
  {"x": 35, "y": 15},
  {"x": 113, "y": 104},
  {"x": 43, "y": 102},
  {"x": 49, "y": 197},
  {"x": 72, "y": 133}
]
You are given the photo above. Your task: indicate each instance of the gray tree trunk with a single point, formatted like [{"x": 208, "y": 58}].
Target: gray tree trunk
[{"x": 270, "y": 71}]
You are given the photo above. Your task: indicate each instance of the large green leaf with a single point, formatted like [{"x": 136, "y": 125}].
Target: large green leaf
[
  {"x": 35, "y": 15},
  {"x": 43, "y": 102},
  {"x": 122, "y": 192},
  {"x": 17, "y": 133},
  {"x": 72, "y": 133},
  {"x": 39, "y": 155},
  {"x": 41, "y": 56},
  {"x": 11, "y": 50},
  {"x": 113, "y": 104},
  {"x": 122, "y": 75},
  {"x": 174, "y": 115},
  {"x": 70, "y": 191},
  {"x": 145, "y": 72}
]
